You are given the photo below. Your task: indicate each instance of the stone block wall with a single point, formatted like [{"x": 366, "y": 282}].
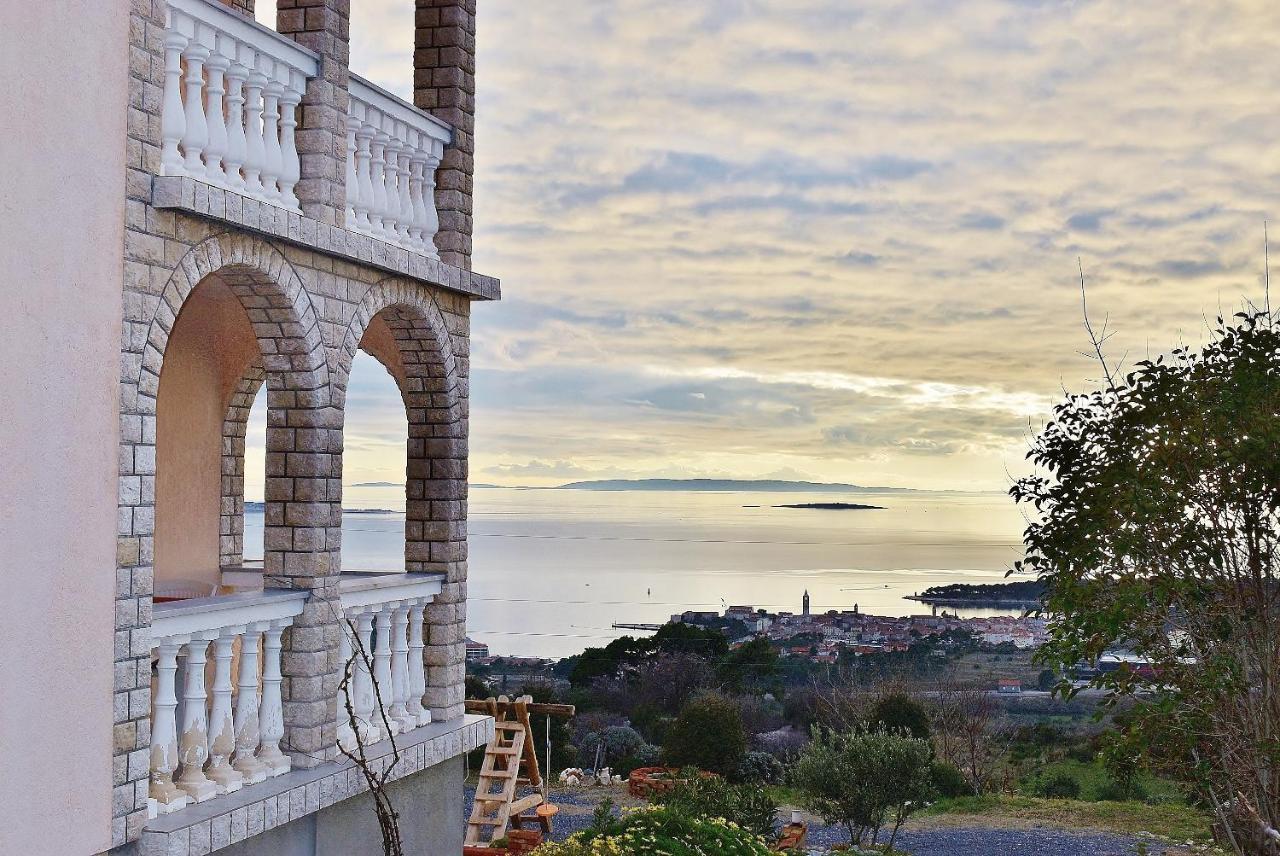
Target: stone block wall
[
  {"x": 444, "y": 84},
  {"x": 308, "y": 309}
]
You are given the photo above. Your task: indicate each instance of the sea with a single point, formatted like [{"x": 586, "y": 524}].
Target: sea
[{"x": 551, "y": 570}]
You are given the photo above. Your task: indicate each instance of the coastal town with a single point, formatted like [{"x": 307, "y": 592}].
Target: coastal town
[
  {"x": 822, "y": 637},
  {"x": 816, "y": 638}
]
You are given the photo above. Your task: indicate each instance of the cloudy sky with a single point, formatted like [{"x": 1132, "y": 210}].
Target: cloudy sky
[{"x": 835, "y": 240}]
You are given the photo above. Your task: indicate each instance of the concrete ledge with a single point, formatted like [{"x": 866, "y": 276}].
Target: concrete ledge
[
  {"x": 204, "y": 200},
  {"x": 225, "y": 820}
]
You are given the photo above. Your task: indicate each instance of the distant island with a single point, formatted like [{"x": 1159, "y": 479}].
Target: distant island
[
  {"x": 724, "y": 485},
  {"x": 401, "y": 484},
  {"x": 1027, "y": 594},
  {"x": 832, "y": 506},
  {"x": 262, "y": 506}
]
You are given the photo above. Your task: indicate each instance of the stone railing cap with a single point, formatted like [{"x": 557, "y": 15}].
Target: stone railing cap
[
  {"x": 400, "y": 109},
  {"x": 248, "y": 30}
]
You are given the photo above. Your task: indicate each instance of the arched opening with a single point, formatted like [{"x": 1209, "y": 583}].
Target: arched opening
[
  {"x": 211, "y": 349},
  {"x": 375, "y": 434},
  {"x": 402, "y": 329},
  {"x": 236, "y": 336}
]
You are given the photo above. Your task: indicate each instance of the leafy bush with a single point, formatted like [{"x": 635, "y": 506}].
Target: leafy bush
[
  {"x": 1060, "y": 786},
  {"x": 622, "y": 745},
  {"x": 864, "y": 779},
  {"x": 948, "y": 781},
  {"x": 760, "y": 768},
  {"x": 899, "y": 712},
  {"x": 659, "y": 829},
  {"x": 712, "y": 797},
  {"x": 646, "y": 757},
  {"x": 707, "y": 734},
  {"x": 1114, "y": 791}
]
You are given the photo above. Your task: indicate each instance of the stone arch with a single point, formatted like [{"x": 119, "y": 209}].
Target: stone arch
[
  {"x": 272, "y": 294},
  {"x": 415, "y": 345},
  {"x": 302, "y": 514}
]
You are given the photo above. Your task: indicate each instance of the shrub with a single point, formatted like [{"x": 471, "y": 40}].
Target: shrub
[
  {"x": 707, "y": 734},
  {"x": 863, "y": 780},
  {"x": 760, "y": 768},
  {"x": 660, "y": 829},
  {"x": 899, "y": 712},
  {"x": 712, "y": 797},
  {"x": 621, "y": 744},
  {"x": 948, "y": 781},
  {"x": 1113, "y": 791},
  {"x": 1061, "y": 786}
]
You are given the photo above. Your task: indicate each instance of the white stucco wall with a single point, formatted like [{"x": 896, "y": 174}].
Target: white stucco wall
[{"x": 62, "y": 165}]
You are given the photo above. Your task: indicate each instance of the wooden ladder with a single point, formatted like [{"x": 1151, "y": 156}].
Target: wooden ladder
[{"x": 507, "y": 756}]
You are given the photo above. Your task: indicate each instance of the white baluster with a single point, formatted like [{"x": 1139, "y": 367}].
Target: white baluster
[
  {"x": 367, "y": 723},
  {"x": 352, "y": 181},
  {"x": 193, "y": 745},
  {"x": 222, "y": 728},
  {"x": 346, "y": 732},
  {"x": 377, "y": 177},
  {"x": 400, "y": 668},
  {"x": 391, "y": 176},
  {"x": 382, "y": 670},
  {"x": 364, "y": 199},
  {"x": 273, "y": 163},
  {"x": 431, "y": 224},
  {"x": 406, "y": 201},
  {"x": 271, "y": 713},
  {"x": 196, "y": 135},
  {"x": 291, "y": 170},
  {"x": 417, "y": 164},
  {"x": 173, "y": 121},
  {"x": 255, "y": 151},
  {"x": 215, "y": 88},
  {"x": 247, "y": 732},
  {"x": 236, "y": 142},
  {"x": 165, "y": 796},
  {"x": 417, "y": 666}
]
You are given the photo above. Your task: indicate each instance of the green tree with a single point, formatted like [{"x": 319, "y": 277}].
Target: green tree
[
  {"x": 1157, "y": 533},
  {"x": 862, "y": 780},
  {"x": 898, "y": 712},
  {"x": 708, "y": 734},
  {"x": 750, "y": 668}
]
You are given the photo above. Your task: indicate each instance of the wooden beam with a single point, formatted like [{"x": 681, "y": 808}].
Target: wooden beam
[{"x": 475, "y": 705}]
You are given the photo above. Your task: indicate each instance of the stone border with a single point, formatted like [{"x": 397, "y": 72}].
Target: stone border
[
  {"x": 229, "y": 819},
  {"x": 195, "y": 197}
]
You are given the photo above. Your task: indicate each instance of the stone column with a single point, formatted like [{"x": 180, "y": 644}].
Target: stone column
[
  {"x": 303, "y": 531},
  {"x": 444, "y": 84},
  {"x": 324, "y": 26}
]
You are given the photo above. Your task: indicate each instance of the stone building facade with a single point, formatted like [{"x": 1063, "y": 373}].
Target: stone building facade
[{"x": 246, "y": 293}]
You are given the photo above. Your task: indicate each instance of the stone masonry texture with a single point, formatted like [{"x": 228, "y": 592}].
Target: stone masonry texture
[
  {"x": 309, "y": 310},
  {"x": 444, "y": 84}
]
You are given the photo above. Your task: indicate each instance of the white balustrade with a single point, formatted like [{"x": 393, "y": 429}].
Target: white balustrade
[
  {"x": 384, "y": 620},
  {"x": 229, "y": 727},
  {"x": 231, "y": 93},
  {"x": 393, "y": 149}
]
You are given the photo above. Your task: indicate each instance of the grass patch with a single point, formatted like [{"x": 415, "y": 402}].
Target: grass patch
[{"x": 1172, "y": 821}]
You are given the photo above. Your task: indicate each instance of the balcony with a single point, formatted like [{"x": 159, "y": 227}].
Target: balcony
[
  {"x": 229, "y": 120},
  {"x": 231, "y": 93},
  {"x": 217, "y": 716},
  {"x": 393, "y": 150}
]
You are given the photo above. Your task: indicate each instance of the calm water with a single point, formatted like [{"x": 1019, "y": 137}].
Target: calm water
[{"x": 551, "y": 570}]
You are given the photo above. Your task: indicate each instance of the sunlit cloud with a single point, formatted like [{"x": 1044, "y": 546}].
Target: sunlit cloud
[{"x": 836, "y": 239}]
